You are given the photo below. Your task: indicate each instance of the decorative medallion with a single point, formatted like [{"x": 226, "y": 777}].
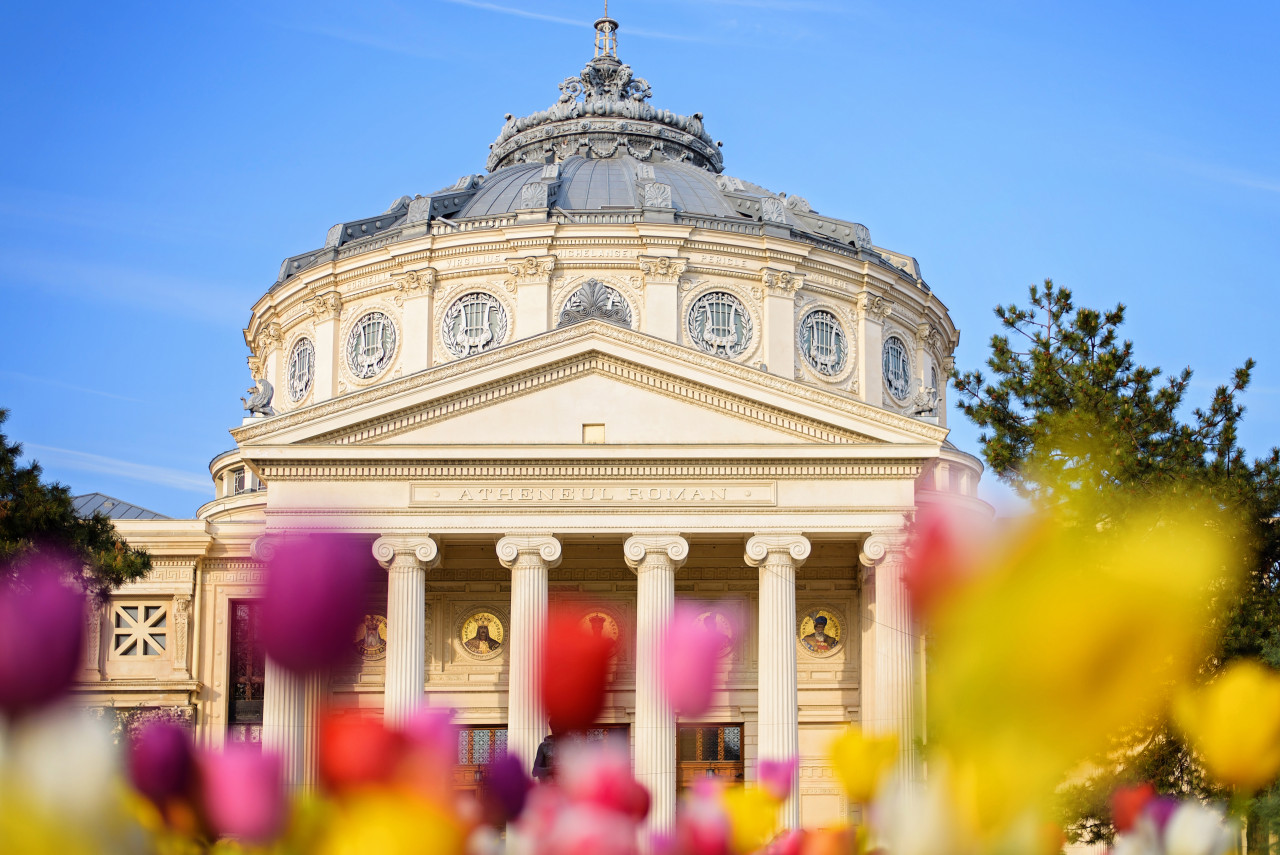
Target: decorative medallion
[
  {"x": 823, "y": 343},
  {"x": 897, "y": 368},
  {"x": 474, "y": 323},
  {"x": 716, "y": 622},
  {"x": 371, "y": 344},
  {"x": 821, "y": 632},
  {"x": 302, "y": 369},
  {"x": 719, "y": 324},
  {"x": 601, "y": 623},
  {"x": 596, "y": 300},
  {"x": 482, "y": 635},
  {"x": 371, "y": 638}
]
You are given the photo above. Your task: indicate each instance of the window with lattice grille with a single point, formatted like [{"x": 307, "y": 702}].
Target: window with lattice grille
[{"x": 140, "y": 629}]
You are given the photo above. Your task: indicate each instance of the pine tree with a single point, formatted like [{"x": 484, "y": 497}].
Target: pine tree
[
  {"x": 1068, "y": 410},
  {"x": 37, "y": 520}
]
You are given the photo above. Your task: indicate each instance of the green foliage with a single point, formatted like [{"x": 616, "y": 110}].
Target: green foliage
[
  {"x": 37, "y": 519},
  {"x": 1068, "y": 410}
]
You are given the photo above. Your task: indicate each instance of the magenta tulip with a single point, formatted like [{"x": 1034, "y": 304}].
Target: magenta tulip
[
  {"x": 777, "y": 777},
  {"x": 691, "y": 661},
  {"x": 41, "y": 639},
  {"x": 314, "y": 599},
  {"x": 243, "y": 794},
  {"x": 162, "y": 762}
]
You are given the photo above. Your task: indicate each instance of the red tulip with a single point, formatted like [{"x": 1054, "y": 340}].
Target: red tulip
[
  {"x": 314, "y": 599},
  {"x": 942, "y": 555},
  {"x": 357, "y": 751},
  {"x": 1127, "y": 804},
  {"x": 243, "y": 794},
  {"x": 41, "y": 638},
  {"x": 575, "y": 673}
]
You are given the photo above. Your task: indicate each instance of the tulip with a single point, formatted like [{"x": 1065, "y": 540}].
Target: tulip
[
  {"x": 1127, "y": 804},
  {"x": 430, "y": 740},
  {"x": 243, "y": 793},
  {"x": 702, "y": 826},
  {"x": 575, "y": 673},
  {"x": 504, "y": 790},
  {"x": 600, "y": 774},
  {"x": 41, "y": 638},
  {"x": 357, "y": 751},
  {"x": 1234, "y": 723},
  {"x": 691, "y": 663},
  {"x": 162, "y": 763},
  {"x": 943, "y": 553},
  {"x": 777, "y": 777},
  {"x": 1196, "y": 829},
  {"x": 313, "y": 600},
  {"x": 753, "y": 818},
  {"x": 862, "y": 762},
  {"x": 392, "y": 822}
]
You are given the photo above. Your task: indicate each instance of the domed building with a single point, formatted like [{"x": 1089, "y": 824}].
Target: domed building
[{"x": 604, "y": 375}]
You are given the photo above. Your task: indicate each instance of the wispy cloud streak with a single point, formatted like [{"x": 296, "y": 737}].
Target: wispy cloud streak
[
  {"x": 46, "y": 381},
  {"x": 82, "y": 461},
  {"x": 1221, "y": 174},
  {"x": 568, "y": 22}
]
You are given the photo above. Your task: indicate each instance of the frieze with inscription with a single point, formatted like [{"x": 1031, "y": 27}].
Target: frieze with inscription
[{"x": 597, "y": 494}]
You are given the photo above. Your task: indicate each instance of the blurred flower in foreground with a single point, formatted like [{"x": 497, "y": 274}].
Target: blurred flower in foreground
[
  {"x": 575, "y": 672},
  {"x": 162, "y": 766},
  {"x": 596, "y": 806},
  {"x": 690, "y": 660},
  {"x": 392, "y": 822},
  {"x": 504, "y": 790},
  {"x": 1234, "y": 723},
  {"x": 600, "y": 773},
  {"x": 313, "y": 599},
  {"x": 243, "y": 793},
  {"x": 861, "y": 762},
  {"x": 777, "y": 777},
  {"x": 943, "y": 555},
  {"x": 1165, "y": 827},
  {"x": 1127, "y": 804},
  {"x": 41, "y": 636},
  {"x": 1073, "y": 632},
  {"x": 753, "y": 817}
]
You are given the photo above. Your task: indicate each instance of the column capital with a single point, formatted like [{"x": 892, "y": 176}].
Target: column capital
[
  {"x": 877, "y": 546},
  {"x": 761, "y": 546},
  {"x": 421, "y": 548},
  {"x": 511, "y": 547},
  {"x": 639, "y": 546}
]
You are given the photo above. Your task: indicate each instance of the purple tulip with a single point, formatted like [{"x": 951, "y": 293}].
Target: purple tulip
[
  {"x": 243, "y": 794},
  {"x": 41, "y": 637},
  {"x": 162, "y": 762},
  {"x": 505, "y": 790},
  {"x": 313, "y": 600}
]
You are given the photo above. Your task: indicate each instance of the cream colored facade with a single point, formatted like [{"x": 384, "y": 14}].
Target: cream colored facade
[{"x": 591, "y": 464}]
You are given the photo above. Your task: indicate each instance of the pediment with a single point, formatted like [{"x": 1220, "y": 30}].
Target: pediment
[{"x": 542, "y": 390}]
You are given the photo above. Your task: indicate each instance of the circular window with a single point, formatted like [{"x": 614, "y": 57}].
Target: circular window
[
  {"x": 474, "y": 323},
  {"x": 371, "y": 345},
  {"x": 897, "y": 368},
  {"x": 719, "y": 324},
  {"x": 302, "y": 369},
  {"x": 823, "y": 343}
]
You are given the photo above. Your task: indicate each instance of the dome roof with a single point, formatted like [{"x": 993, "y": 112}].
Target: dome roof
[{"x": 601, "y": 154}]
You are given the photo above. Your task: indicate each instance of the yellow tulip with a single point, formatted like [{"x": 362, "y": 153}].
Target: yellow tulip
[
  {"x": 1234, "y": 723},
  {"x": 862, "y": 762},
  {"x": 753, "y": 818},
  {"x": 394, "y": 823}
]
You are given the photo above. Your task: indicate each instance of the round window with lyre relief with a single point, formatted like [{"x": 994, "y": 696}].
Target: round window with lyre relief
[
  {"x": 821, "y": 632},
  {"x": 719, "y": 323},
  {"x": 482, "y": 635},
  {"x": 302, "y": 369},
  {"x": 371, "y": 344},
  {"x": 474, "y": 323},
  {"x": 371, "y": 638},
  {"x": 823, "y": 343},
  {"x": 897, "y": 368}
]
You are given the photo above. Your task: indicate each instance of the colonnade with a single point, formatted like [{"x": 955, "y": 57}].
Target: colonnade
[{"x": 887, "y": 665}]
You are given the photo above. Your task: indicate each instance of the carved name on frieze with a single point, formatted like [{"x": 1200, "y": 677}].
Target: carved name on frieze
[
  {"x": 597, "y": 253},
  {"x": 473, "y": 261},
  {"x": 462, "y": 496},
  {"x": 706, "y": 259}
]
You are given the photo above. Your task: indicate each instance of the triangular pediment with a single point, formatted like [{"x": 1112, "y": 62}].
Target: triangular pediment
[{"x": 544, "y": 389}]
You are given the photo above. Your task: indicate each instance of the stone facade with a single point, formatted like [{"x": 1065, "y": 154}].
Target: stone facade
[{"x": 682, "y": 431}]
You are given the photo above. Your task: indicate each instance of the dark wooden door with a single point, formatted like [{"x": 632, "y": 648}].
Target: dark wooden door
[{"x": 708, "y": 751}]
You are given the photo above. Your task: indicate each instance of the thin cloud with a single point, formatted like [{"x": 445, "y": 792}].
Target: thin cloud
[
  {"x": 568, "y": 22},
  {"x": 46, "y": 381},
  {"x": 82, "y": 461},
  {"x": 1222, "y": 174},
  {"x": 361, "y": 39}
]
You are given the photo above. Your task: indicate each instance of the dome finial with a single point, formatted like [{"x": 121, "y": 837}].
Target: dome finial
[{"x": 606, "y": 35}]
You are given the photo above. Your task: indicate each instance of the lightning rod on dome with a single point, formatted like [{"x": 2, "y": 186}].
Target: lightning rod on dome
[{"x": 606, "y": 35}]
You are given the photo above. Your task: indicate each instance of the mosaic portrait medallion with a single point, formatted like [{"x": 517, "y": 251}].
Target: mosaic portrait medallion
[
  {"x": 820, "y": 632},
  {"x": 482, "y": 635},
  {"x": 371, "y": 638}
]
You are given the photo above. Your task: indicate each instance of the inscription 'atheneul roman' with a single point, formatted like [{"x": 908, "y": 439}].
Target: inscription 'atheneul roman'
[{"x": 593, "y": 494}]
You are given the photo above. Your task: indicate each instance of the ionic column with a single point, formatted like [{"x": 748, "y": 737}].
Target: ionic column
[
  {"x": 655, "y": 559},
  {"x": 888, "y": 660},
  {"x": 290, "y": 706},
  {"x": 778, "y": 556},
  {"x": 529, "y": 558},
  {"x": 406, "y": 560}
]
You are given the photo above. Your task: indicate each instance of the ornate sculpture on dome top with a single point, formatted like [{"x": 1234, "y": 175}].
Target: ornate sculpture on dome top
[{"x": 259, "y": 403}]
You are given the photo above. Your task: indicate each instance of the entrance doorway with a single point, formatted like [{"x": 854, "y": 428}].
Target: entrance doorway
[{"x": 708, "y": 751}]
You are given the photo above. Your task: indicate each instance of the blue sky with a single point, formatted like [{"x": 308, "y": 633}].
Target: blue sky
[{"x": 158, "y": 161}]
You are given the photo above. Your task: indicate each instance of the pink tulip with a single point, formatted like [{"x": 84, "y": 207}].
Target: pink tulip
[
  {"x": 589, "y": 829},
  {"x": 702, "y": 826},
  {"x": 777, "y": 777},
  {"x": 314, "y": 599},
  {"x": 244, "y": 794},
  {"x": 41, "y": 637},
  {"x": 691, "y": 663},
  {"x": 601, "y": 775}
]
